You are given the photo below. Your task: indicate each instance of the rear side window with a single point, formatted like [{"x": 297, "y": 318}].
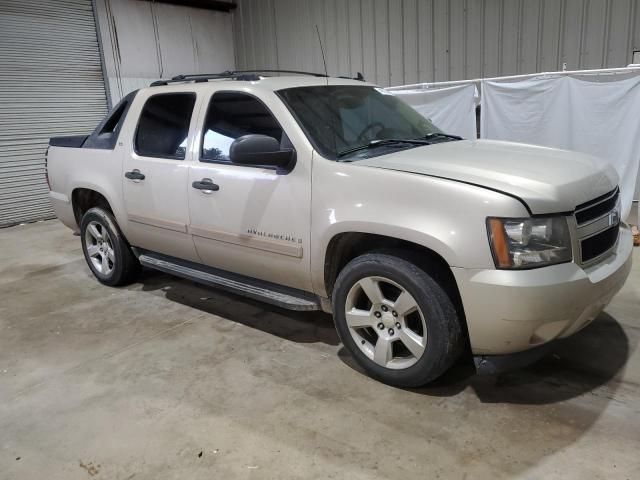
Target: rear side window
[{"x": 164, "y": 125}]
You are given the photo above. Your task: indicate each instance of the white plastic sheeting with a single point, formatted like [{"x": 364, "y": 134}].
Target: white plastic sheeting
[
  {"x": 452, "y": 109},
  {"x": 595, "y": 114}
]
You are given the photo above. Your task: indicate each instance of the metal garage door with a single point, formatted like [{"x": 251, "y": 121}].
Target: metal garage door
[{"x": 50, "y": 84}]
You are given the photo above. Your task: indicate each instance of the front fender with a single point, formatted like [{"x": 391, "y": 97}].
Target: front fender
[
  {"x": 445, "y": 216},
  {"x": 433, "y": 241}
]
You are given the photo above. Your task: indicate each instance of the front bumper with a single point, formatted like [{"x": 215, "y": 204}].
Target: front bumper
[{"x": 510, "y": 311}]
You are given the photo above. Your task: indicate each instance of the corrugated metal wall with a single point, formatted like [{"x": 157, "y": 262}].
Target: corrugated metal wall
[
  {"x": 396, "y": 42},
  {"x": 51, "y": 84},
  {"x": 144, "y": 41}
]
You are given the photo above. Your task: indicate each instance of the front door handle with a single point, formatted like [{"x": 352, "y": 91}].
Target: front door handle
[
  {"x": 206, "y": 185},
  {"x": 134, "y": 175}
]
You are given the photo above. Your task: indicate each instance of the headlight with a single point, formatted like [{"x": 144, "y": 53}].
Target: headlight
[{"x": 529, "y": 242}]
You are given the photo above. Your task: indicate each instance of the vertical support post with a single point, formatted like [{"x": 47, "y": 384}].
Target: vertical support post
[{"x": 105, "y": 77}]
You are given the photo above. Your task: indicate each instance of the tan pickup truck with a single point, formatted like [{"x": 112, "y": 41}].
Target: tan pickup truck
[{"x": 311, "y": 192}]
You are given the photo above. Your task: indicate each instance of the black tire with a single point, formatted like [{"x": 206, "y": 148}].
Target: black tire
[
  {"x": 444, "y": 339},
  {"x": 124, "y": 266}
]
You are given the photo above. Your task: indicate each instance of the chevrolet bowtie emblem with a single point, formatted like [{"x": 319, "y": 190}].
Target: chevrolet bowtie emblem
[{"x": 614, "y": 217}]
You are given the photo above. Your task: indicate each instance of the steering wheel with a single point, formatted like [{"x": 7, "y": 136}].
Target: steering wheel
[{"x": 365, "y": 130}]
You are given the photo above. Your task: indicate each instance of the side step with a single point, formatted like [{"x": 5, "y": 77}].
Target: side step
[{"x": 283, "y": 297}]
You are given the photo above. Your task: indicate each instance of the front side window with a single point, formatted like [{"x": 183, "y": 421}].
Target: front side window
[
  {"x": 339, "y": 120},
  {"x": 164, "y": 125},
  {"x": 232, "y": 115}
]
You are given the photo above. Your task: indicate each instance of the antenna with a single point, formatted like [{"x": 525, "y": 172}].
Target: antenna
[
  {"x": 324, "y": 61},
  {"x": 330, "y": 97}
]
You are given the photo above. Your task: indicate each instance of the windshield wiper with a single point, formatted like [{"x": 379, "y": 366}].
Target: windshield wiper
[
  {"x": 430, "y": 136},
  {"x": 383, "y": 142}
]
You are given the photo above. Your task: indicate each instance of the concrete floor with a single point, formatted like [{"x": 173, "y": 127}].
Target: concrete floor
[{"x": 165, "y": 379}]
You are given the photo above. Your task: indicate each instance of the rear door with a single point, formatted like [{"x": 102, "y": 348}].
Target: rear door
[{"x": 155, "y": 175}]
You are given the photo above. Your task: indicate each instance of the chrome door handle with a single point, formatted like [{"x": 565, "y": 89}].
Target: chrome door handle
[{"x": 206, "y": 185}]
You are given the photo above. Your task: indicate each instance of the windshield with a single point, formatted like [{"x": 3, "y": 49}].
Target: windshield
[{"x": 339, "y": 119}]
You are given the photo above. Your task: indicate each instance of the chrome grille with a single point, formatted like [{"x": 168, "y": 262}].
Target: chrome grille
[
  {"x": 595, "y": 246},
  {"x": 597, "y": 207},
  {"x": 598, "y": 226}
]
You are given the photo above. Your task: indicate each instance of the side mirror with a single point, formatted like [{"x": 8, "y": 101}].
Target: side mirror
[{"x": 260, "y": 150}]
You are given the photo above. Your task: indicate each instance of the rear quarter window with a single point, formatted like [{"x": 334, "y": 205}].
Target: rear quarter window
[{"x": 106, "y": 133}]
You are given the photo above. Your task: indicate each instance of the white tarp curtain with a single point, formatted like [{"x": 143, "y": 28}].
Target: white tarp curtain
[
  {"x": 451, "y": 109},
  {"x": 595, "y": 114}
]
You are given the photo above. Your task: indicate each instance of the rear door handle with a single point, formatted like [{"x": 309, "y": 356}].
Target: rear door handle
[
  {"x": 206, "y": 185},
  {"x": 134, "y": 175}
]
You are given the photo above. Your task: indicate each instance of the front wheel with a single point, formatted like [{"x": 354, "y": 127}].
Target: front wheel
[
  {"x": 396, "y": 320},
  {"x": 105, "y": 249}
]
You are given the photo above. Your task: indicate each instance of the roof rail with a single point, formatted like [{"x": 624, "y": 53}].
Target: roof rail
[
  {"x": 248, "y": 75},
  {"x": 295, "y": 72}
]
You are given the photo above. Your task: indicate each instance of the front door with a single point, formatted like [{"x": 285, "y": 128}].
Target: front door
[
  {"x": 245, "y": 219},
  {"x": 155, "y": 176}
]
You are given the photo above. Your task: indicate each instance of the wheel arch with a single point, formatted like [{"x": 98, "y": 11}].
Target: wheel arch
[
  {"x": 345, "y": 246},
  {"x": 84, "y": 198}
]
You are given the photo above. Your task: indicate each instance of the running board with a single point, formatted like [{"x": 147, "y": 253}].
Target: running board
[{"x": 283, "y": 297}]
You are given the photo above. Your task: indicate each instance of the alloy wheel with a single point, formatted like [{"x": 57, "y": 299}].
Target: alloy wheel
[
  {"x": 99, "y": 248},
  {"x": 386, "y": 322}
]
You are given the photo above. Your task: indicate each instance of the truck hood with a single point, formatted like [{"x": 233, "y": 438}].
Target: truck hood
[{"x": 547, "y": 180}]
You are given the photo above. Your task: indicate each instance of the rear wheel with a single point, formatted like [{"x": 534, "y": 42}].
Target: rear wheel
[
  {"x": 396, "y": 320},
  {"x": 105, "y": 249}
]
